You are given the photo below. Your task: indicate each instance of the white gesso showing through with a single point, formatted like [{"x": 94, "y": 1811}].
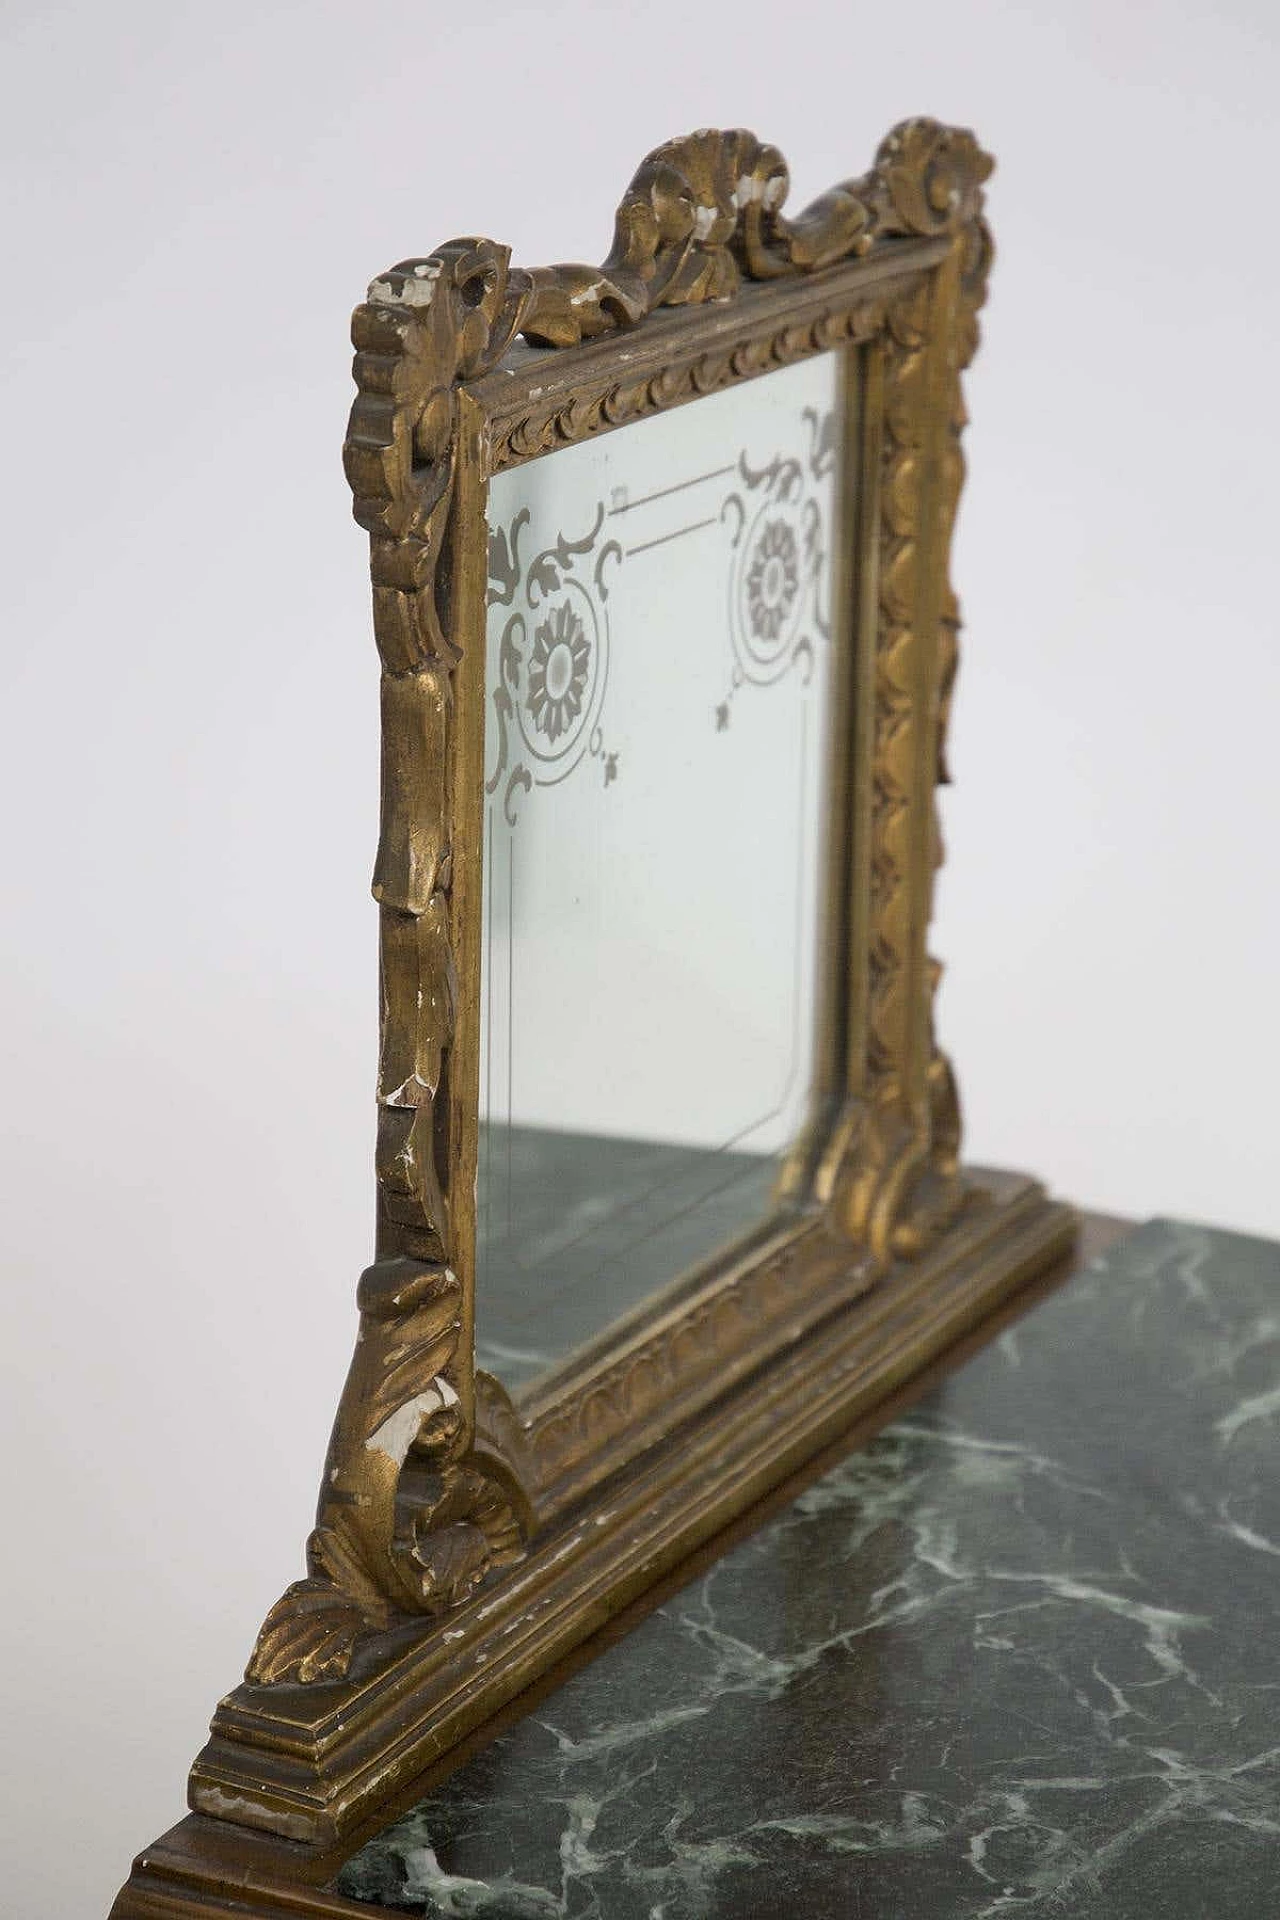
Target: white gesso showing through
[{"x": 655, "y": 757}]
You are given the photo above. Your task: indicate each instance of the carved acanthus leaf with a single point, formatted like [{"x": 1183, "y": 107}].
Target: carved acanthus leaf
[{"x": 408, "y": 1521}]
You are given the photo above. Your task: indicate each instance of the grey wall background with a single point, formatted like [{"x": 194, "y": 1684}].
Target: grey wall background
[{"x": 197, "y": 198}]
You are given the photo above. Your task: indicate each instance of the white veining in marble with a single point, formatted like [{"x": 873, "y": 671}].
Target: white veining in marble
[{"x": 1021, "y": 1656}]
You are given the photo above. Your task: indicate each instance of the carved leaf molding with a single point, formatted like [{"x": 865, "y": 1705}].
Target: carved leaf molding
[
  {"x": 903, "y": 1157},
  {"x": 424, "y": 1487}
]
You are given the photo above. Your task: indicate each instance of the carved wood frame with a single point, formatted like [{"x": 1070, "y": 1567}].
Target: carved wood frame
[{"x": 463, "y": 1541}]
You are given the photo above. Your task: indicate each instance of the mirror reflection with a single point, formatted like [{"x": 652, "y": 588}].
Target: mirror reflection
[{"x": 656, "y": 742}]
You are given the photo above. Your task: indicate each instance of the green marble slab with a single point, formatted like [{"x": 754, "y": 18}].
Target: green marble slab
[{"x": 1018, "y": 1657}]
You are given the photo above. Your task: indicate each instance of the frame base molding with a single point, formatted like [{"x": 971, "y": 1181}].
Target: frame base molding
[
  {"x": 309, "y": 1763},
  {"x": 207, "y": 1869}
]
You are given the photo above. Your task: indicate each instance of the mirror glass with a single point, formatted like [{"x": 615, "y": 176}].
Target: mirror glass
[{"x": 656, "y": 739}]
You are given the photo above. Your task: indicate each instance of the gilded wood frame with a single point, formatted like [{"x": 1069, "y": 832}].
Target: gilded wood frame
[{"x": 462, "y": 1540}]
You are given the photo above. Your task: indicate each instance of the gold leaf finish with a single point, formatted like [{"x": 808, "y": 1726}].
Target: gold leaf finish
[{"x": 433, "y": 1478}]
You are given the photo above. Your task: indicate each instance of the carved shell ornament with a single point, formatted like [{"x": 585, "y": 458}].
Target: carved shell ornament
[{"x": 423, "y": 1494}]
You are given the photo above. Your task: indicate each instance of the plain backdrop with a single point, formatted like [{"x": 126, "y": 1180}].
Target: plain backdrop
[{"x": 196, "y": 196}]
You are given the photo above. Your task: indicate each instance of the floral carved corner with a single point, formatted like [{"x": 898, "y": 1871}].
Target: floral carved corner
[{"x": 422, "y": 1497}]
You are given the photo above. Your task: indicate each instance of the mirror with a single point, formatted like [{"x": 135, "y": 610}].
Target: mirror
[
  {"x": 654, "y": 878},
  {"x": 657, "y": 716}
]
